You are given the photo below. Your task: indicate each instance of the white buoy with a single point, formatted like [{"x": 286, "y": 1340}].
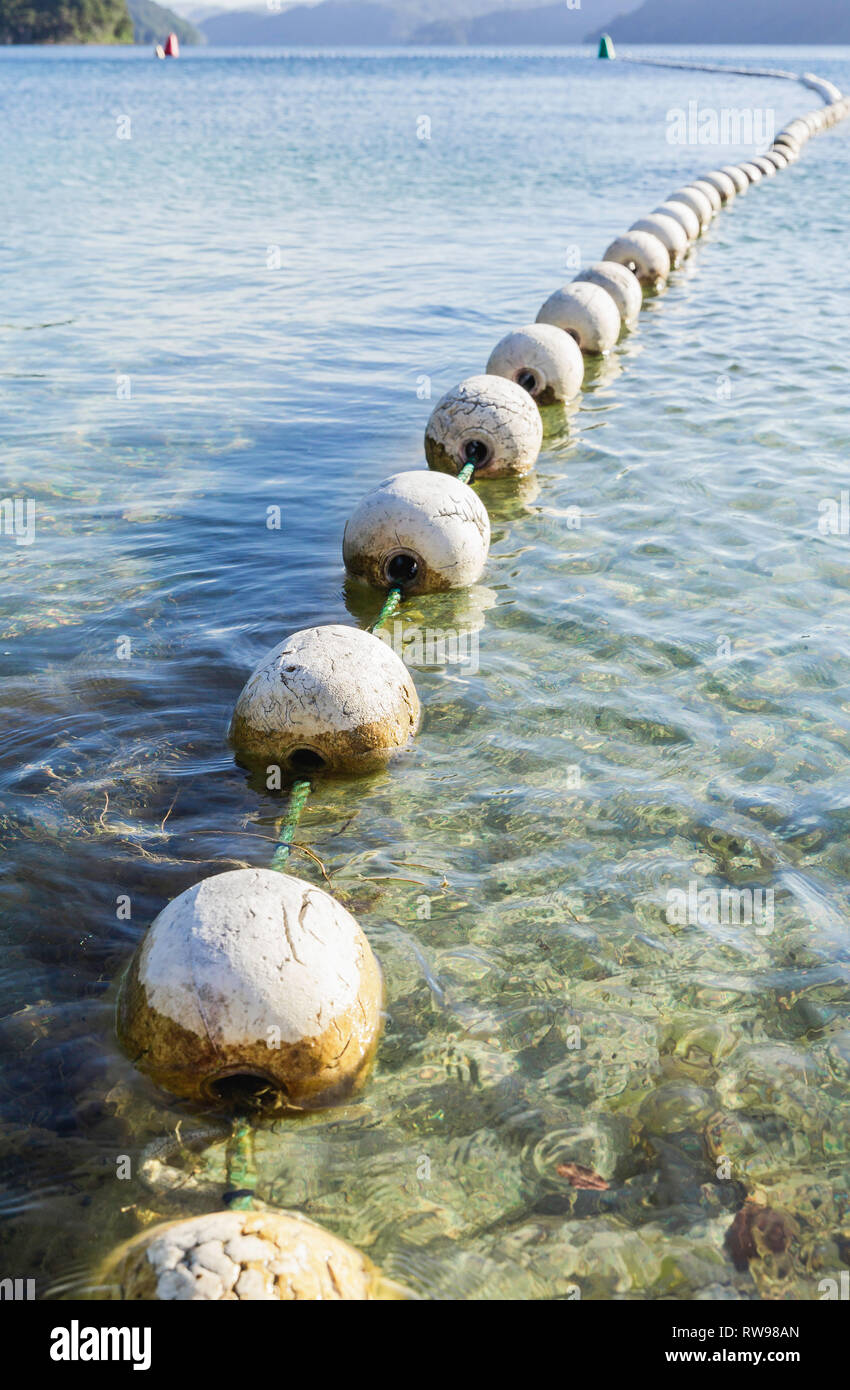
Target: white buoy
[
  {"x": 737, "y": 177},
  {"x": 488, "y": 422},
  {"x": 753, "y": 173},
  {"x": 776, "y": 159},
  {"x": 719, "y": 179},
  {"x": 585, "y": 311},
  {"x": 696, "y": 201},
  {"x": 419, "y": 530},
  {"x": 253, "y": 984},
  {"x": 768, "y": 169},
  {"x": 643, "y": 254},
  {"x": 332, "y": 698},
  {"x": 542, "y": 359},
  {"x": 708, "y": 190},
  {"x": 790, "y": 151},
  {"x": 229, "y": 1256},
  {"x": 669, "y": 232},
  {"x": 685, "y": 216},
  {"x": 618, "y": 281}
]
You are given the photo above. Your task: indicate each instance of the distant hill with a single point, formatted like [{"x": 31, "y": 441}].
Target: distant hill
[
  {"x": 540, "y": 24},
  {"x": 65, "y": 21},
  {"x": 730, "y": 21},
  {"x": 333, "y": 24},
  {"x": 153, "y": 23}
]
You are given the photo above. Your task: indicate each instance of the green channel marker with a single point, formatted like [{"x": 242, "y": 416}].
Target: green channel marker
[{"x": 606, "y": 47}]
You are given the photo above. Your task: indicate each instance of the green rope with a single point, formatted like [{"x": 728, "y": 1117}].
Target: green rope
[
  {"x": 466, "y": 473},
  {"x": 391, "y": 604},
  {"x": 297, "y": 802},
  {"x": 241, "y": 1175}
]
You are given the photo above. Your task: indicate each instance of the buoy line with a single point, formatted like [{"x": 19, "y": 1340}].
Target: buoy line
[{"x": 255, "y": 989}]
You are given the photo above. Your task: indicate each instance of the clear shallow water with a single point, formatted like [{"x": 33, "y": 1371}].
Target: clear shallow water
[{"x": 685, "y": 651}]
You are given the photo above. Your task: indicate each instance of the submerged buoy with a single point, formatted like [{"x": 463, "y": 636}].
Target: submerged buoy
[
  {"x": 240, "y": 1255},
  {"x": 737, "y": 177},
  {"x": 685, "y": 216},
  {"x": 488, "y": 422},
  {"x": 725, "y": 185},
  {"x": 669, "y": 232},
  {"x": 253, "y": 986},
  {"x": 643, "y": 253},
  {"x": 696, "y": 201},
  {"x": 618, "y": 281},
  {"x": 542, "y": 359},
  {"x": 586, "y": 312},
  {"x": 421, "y": 531},
  {"x": 327, "y": 698}
]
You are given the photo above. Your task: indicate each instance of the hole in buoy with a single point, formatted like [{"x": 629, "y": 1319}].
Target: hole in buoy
[
  {"x": 476, "y": 452},
  {"x": 246, "y": 1090},
  {"x": 305, "y": 760},
  {"x": 527, "y": 380},
  {"x": 401, "y": 568}
]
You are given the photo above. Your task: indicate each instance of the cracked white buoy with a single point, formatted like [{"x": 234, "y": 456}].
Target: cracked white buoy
[
  {"x": 643, "y": 254},
  {"x": 753, "y": 173},
  {"x": 234, "y": 1256},
  {"x": 542, "y": 359},
  {"x": 620, "y": 282},
  {"x": 585, "y": 311},
  {"x": 330, "y": 697},
  {"x": 737, "y": 177},
  {"x": 696, "y": 201},
  {"x": 726, "y": 186},
  {"x": 685, "y": 216},
  {"x": 253, "y": 984},
  {"x": 421, "y": 531},
  {"x": 669, "y": 232},
  {"x": 768, "y": 169},
  {"x": 488, "y": 422}
]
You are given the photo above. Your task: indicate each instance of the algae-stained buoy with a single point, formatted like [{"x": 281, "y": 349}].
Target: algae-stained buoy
[
  {"x": 329, "y": 698},
  {"x": 253, "y": 985},
  {"x": 738, "y": 178},
  {"x": 684, "y": 215},
  {"x": 669, "y": 232},
  {"x": 618, "y": 281},
  {"x": 419, "y": 530},
  {"x": 752, "y": 172},
  {"x": 240, "y": 1255},
  {"x": 542, "y": 359},
  {"x": 486, "y": 421},
  {"x": 696, "y": 201},
  {"x": 586, "y": 312},
  {"x": 726, "y": 186},
  {"x": 606, "y": 46},
  {"x": 643, "y": 254}
]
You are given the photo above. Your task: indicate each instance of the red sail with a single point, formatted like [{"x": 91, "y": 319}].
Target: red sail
[{"x": 172, "y": 46}]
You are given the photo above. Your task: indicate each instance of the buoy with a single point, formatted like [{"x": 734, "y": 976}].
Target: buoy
[
  {"x": 488, "y": 422},
  {"x": 788, "y": 146},
  {"x": 586, "y": 312},
  {"x": 643, "y": 253},
  {"x": 725, "y": 185},
  {"x": 778, "y": 160},
  {"x": 696, "y": 201},
  {"x": 172, "y": 46},
  {"x": 328, "y": 698},
  {"x": 542, "y": 359},
  {"x": 421, "y": 531},
  {"x": 739, "y": 178},
  {"x": 685, "y": 216},
  {"x": 606, "y": 46},
  {"x": 620, "y": 282},
  {"x": 708, "y": 191},
  {"x": 239, "y": 1255},
  {"x": 159, "y": 51},
  {"x": 768, "y": 169},
  {"x": 753, "y": 173},
  {"x": 669, "y": 232},
  {"x": 253, "y": 986}
]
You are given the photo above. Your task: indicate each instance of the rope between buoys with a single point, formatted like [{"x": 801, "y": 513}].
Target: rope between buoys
[
  {"x": 391, "y": 603},
  {"x": 241, "y": 1174},
  {"x": 297, "y": 802}
]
